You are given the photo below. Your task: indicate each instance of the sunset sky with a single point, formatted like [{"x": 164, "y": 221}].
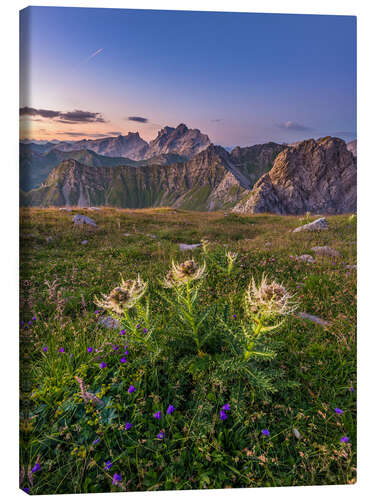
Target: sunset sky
[{"x": 240, "y": 78}]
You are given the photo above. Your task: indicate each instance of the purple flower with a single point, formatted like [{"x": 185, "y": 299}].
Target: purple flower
[
  {"x": 339, "y": 411},
  {"x": 226, "y": 407},
  {"x": 89, "y": 349},
  {"x": 30, "y": 323},
  {"x": 103, "y": 365},
  {"x": 115, "y": 347},
  {"x": 22, "y": 323},
  {"x": 234, "y": 316},
  {"x": 61, "y": 349},
  {"x": 344, "y": 439},
  {"x": 170, "y": 409},
  {"x": 131, "y": 389},
  {"x": 123, "y": 360},
  {"x": 45, "y": 348},
  {"x": 108, "y": 465},
  {"x": 161, "y": 435},
  {"x": 97, "y": 312},
  {"x": 26, "y": 489},
  {"x": 126, "y": 352},
  {"x": 96, "y": 441},
  {"x": 138, "y": 326},
  {"x": 116, "y": 478},
  {"x": 36, "y": 467},
  {"x": 26, "y": 327},
  {"x": 157, "y": 415},
  {"x": 223, "y": 415},
  {"x": 145, "y": 330},
  {"x": 128, "y": 426},
  {"x": 33, "y": 318},
  {"x": 123, "y": 332},
  {"x": 265, "y": 432},
  {"x": 351, "y": 389}
]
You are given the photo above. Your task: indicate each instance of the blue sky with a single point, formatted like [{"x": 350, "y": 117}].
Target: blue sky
[{"x": 240, "y": 78}]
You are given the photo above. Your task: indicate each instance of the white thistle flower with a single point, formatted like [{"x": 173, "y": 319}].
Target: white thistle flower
[
  {"x": 183, "y": 273},
  {"x": 269, "y": 298},
  {"x": 123, "y": 296}
]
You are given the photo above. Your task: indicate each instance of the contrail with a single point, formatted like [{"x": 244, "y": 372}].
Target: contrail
[{"x": 94, "y": 54}]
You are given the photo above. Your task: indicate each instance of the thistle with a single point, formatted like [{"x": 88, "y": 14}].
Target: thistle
[
  {"x": 181, "y": 274},
  {"x": 231, "y": 259},
  {"x": 269, "y": 299},
  {"x": 123, "y": 297}
]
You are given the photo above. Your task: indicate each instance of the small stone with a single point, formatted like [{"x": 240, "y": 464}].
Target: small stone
[
  {"x": 184, "y": 246},
  {"x": 151, "y": 236},
  {"x": 351, "y": 266},
  {"x": 83, "y": 219},
  {"x": 296, "y": 433},
  {"x": 65, "y": 209},
  {"x": 306, "y": 258},
  {"x": 84, "y": 242},
  {"x": 109, "y": 322},
  {"x": 127, "y": 234},
  {"x": 94, "y": 208},
  {"x": 317, "y": 225},
  {"x": 314, "y": 319},
  {"x": 326, "y": 250}
]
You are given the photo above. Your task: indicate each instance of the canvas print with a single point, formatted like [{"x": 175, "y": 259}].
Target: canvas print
[{"x": 187, "y": 250}]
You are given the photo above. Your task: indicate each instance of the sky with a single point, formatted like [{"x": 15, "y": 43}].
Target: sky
[{"x": 243, "y": 79}]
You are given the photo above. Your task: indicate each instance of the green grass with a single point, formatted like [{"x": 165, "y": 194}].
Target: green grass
[{"x": 313, "y": 371}]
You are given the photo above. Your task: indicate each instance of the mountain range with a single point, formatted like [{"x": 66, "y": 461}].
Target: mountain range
[{"x": 182, "y": 168}]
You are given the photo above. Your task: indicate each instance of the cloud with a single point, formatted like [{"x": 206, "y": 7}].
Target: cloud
[
  {"x": 76, "y": 116},
  {"x": 216, "y": 120},
  {"x": 80, "y": 134},
  {"x": 289, "y": 125},
  {"x": 94, "y": 54},
  {"x": 138, "y": 119}
]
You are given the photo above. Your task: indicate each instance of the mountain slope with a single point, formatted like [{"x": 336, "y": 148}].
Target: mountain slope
[
  {"x": 316, "y": 176},
  {"x": 352, "y": 147},
  {"x": 202, "y": 183}
]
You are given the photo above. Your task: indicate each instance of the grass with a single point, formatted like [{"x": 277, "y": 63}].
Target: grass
[{"x": 313, "y": 371}]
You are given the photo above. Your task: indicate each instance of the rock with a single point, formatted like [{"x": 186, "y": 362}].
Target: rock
[
  {"x": 317, "y": 225},
  {"x": 297, "y": 433},
  {"x": 151, "y": 236},
  {"x": 314, "y": 319},
  {"x": 109, "y": 322},
  {"x": 65, "y": 209},
  {"x": 184, "y": 246},
  {"x": 351, "y": 266},
  {"x": 319, "y": 176},
  {"x": 306, "y": 258},
  {"x": 83, "y": 219},
  {"x": 267, "y": 244},
  {"x": 94, "y": 208},
  {"x": 326, "y": 250},
  {"x": 126, "y": 234},
  {"x": 84, "y": 242}
]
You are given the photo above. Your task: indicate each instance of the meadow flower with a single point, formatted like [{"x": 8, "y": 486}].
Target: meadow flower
[
  {"x": 339, "y": 411},
  {"x": 123, "y": 360},
  {"x": 36, "y": 468},
  {"x": 61, "y": 349},
  {"x": 131, "y": 389},
  {"x": 226, "y": 407},
  {"x": 96, "y": 441},
  {"x": 183, "y": 273},
  {"x": 265, "y": 432},
  {"x": 161, "y": 435},
  {"x": 344, "y": 439},
  {"x": 30, "y": 322},
  {"x": 128, "y": 426},
  {"x": 126, "y": 352},
  {"x": 22, "y": 323},
  {"x": 26, "y": 489},
  {"x": 103, "y": 365},
  {"x": 89, "y": 349},
  {"x": 138, "y": 326},
  {"x": 45, "y": 348},
  {"x": 223, "y": 415},
  {"x": 115, "y": 347},
  {"x": 157, "y": 415},
  {"x": 231, "y": 259},
  {"x": 123, "y": 332},
  {"x": 351, "y": 389},
  {"x": 96, "y": 312},
  {"x": 124, "y": 296},
  {"x": 234, "y": 316},
  {"x": 116, "y": 478},
  {"x": 170, "y": 409},
  {"x": 145, "y": 330},
  {"x": 33, "y": 318},
  {"x": 269, "y": 299},
  {"x": 108, "y": 465}
]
